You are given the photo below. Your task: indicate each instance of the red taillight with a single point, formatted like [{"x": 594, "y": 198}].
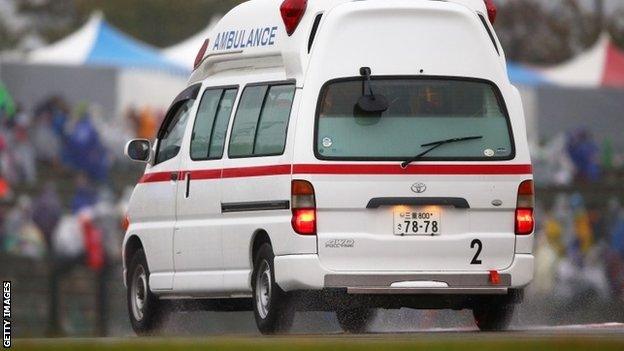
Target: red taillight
[
  {"x": 200, "y": 54},
  {"x": 494, "y": 278},
  {"x": 525, "y": 221},
  {"x": 491, "y": 10},
  {"x": 304, "y": 220},
  {"x": 303, "y": 207},
  {"x": 292, "y": 12}
]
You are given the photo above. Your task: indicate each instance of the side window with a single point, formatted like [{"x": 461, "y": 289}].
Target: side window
[
  {"x": 211, "y": 124},
  {"x": 271, "y": 134},
  {"x": 171, "y": 139},
  {"x": 217, "y": 141},
  {"x": 246, "y": 121},
  {"x": 261, "y": 121}
]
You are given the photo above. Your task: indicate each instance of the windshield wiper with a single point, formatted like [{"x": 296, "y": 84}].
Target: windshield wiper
[{"x": 436, "y": 144}]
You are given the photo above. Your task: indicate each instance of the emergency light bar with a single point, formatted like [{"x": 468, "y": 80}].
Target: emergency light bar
[
  {"x": 491, "y": 10},
  {"x": 292, "y": 12}
]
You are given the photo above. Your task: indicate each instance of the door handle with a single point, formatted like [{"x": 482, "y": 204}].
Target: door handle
[
  {"x": 188, "y": 185},
  {"x": 174, "y": 176}
]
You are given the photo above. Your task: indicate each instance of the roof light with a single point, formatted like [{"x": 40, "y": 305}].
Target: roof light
[
  {"x": 491, "y": 10},
  {"x": 200, "y": 54},
  {"x": 292, "y": 12}
]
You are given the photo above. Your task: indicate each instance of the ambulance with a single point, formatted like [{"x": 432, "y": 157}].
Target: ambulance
[{"x": 337, "y": 155}]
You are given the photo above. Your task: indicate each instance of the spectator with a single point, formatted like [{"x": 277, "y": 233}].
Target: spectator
[
  {"x": 84, "y": 194},
  {"x": 47, "y": 212},
  {"x": 147, "y": 124},
  {"x": 83, "y": 150},
  {"x": 584, "y": 153},
  {"x": 24, "y": 155},
  {"x": 22, "y": 237},
  {"x": 46, "y": 141},
  {"x": 7, "y": 106}
]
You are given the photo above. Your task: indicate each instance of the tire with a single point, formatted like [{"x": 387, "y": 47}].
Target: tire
[
  {"x": 272, "y": 306},
  {"x": 145, "y": 310},
  {"x": 355, "y": 321},
  {"x": 496, "y": 317}
]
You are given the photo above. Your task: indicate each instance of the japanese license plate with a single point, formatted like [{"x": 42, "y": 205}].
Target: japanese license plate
[{"x": 417, "y": 222}]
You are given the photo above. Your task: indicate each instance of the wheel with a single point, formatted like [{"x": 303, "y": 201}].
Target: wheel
[
  {"x": 146, "y": 311},
  {"x": 272, "y": 307},
  {"x": 355, "y": 321},
  {"x": 493, "y": 318}
]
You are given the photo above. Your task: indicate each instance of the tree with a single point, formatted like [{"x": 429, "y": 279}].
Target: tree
[{"x": 533, "y": 33}]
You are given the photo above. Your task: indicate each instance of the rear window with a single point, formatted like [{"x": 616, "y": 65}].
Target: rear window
[{"x": 420, "y": 111}]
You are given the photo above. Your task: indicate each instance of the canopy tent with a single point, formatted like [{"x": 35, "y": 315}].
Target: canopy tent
[
  {"x": 522, "y": 75},
  {"x": 600, "y": 66},
  {"x": 99, "y": 43},
  {"x": 184, "y": 53}
]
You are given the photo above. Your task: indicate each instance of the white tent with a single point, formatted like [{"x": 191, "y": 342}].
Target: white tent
[
  {"x": 584, "y": 70},
  {"x": 97, "y": 43},
  {"x": 184, "y": 53},
  {"x": 126, "y": 71}
]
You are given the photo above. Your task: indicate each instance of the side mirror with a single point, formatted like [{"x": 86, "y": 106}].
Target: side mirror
[{"x": 138, "y": 150}]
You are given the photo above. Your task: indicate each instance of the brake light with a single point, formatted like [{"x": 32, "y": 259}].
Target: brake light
[
  {"x": 525, "y": 221},
  {"x": 491, "y": 10},
  {"x": 303, "y": 207},
  {"x": 292, "y": 12},
  {"x": 200, "y": 54}
]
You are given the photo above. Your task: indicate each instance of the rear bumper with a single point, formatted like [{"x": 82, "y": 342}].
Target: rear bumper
[{"x": 305, "y": 272}]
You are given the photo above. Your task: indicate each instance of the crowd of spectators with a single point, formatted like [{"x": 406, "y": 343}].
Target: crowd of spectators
[
  {"x": 58, "y": 201},
  {"x": 580, "y": 237}
]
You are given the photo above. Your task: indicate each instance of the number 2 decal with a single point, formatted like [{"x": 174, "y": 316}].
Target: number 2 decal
[{"x": 479, "y": 245}]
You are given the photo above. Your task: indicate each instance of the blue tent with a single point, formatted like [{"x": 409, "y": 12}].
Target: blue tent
[
  {"x": 521, "y": 75},
  {"x": 99, "y": 43}
]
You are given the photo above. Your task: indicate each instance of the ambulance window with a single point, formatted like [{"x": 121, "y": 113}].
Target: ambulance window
[
  {"x": 271, "y": 134},
  {"x": 211, "y": 122},
  {"x": 246, "y": 121},
  {"x": 202, "y": 129},
  {"x": 261, "y": 121},
  {"x": 420, "y": 111},
  {"x": 169, "y": 144},
  {"x": 217, "y": 141}
]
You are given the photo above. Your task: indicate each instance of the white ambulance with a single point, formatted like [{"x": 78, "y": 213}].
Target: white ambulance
[{"x": 337, "y": 155}]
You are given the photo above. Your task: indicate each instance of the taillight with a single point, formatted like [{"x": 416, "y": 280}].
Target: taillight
[
  {"x": 491, "y": 10},
  {"x": 525, "y": 221},
  {"x": 292, "y": 12},
  {"x": 200, "y": 54},
  {"x": 303, "y": 207}
]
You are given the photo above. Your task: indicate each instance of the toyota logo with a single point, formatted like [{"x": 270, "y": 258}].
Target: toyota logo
[{"x": 419, "y": 188}]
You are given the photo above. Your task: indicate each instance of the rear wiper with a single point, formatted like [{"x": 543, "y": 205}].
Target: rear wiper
[{"x": 436, "y": 144}]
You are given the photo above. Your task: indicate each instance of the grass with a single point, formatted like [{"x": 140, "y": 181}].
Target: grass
[{"x": 429, "y": 342}]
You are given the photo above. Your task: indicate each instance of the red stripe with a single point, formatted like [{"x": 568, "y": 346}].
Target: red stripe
[
  {"x": 412, "y": 169},
  {"x": 155, "y": 177},
  {"x": 256, "y": 171},
  {"x": 205, "y": 174},
  {"x": 344, "y": 169}
]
